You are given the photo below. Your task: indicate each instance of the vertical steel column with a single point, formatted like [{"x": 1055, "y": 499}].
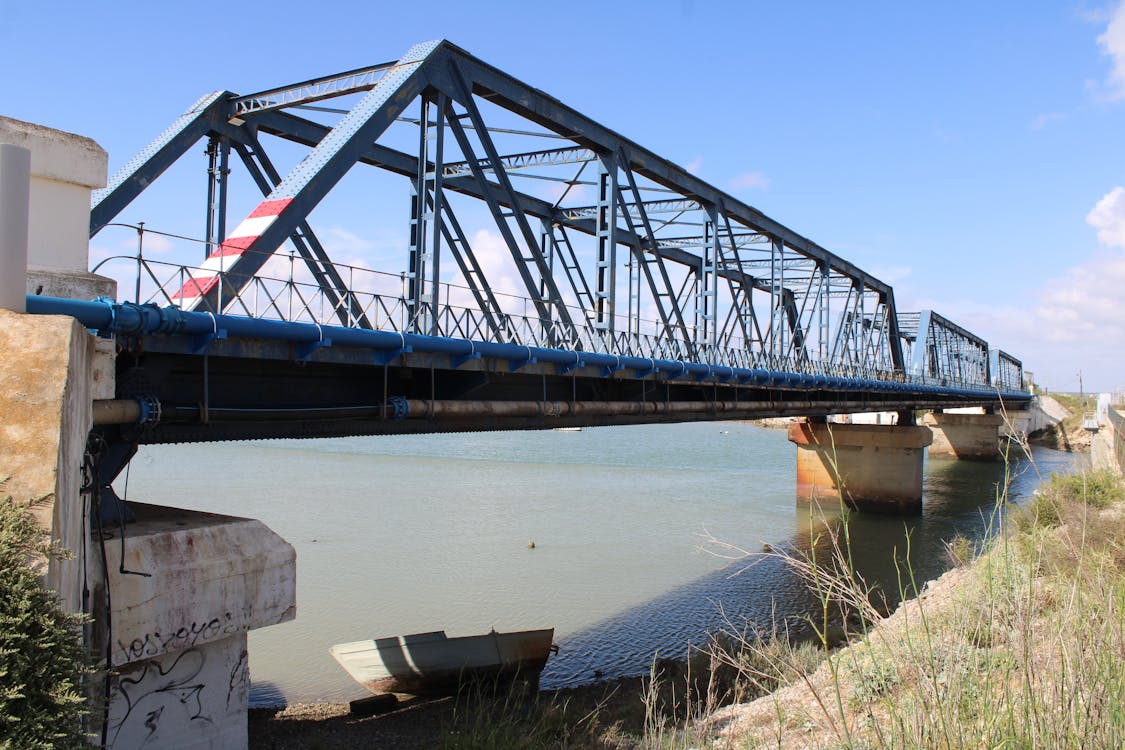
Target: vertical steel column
[
  {"x": 861, "y": 318},
  {"x": 605, "y": 291},
  {"x": 547, "y": 245},
  {"x": 634, "y": 266},
  {"x": 420, "y": 212},
  {"x": 776, "y": 301},
  {"x": 825, "y": 313},
  {"x": 218, "y": 167},
  {"x": 707, "y": 299},
  {"x": 435, "y": 181}
]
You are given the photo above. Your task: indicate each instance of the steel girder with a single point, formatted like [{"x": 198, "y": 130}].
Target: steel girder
[
  {"x": 1007, "y": 371},
  {"x": 945, "y": 352},
  {"x": 718, "y": 274}
]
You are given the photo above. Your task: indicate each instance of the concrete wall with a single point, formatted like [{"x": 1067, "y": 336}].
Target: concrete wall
[
  {"x": 52, "y": 367},
  {"x": 45, "y": 400},
  {"x": 1108, "y": 444},
  {"x": 964, "y": 435},
  {"x": 176, "y": 633}
]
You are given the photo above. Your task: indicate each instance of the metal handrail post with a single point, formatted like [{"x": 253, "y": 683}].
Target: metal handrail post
[{"x": 140, "y": 260}]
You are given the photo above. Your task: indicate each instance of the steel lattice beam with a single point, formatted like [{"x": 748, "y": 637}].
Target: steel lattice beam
[{"x": 307, "y": 92}]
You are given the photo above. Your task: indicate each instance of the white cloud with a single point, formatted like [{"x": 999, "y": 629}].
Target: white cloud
[
  {"x": 576, "y": 195},
  {"x": 1112, "y": 42},
  {"x": 1085, "y": 304},
  {"x": 891, "y": 274},
  {"x": 695, "y": 165},
  {"x": 1108, "y": 217},
  {"x": 1074, "y": 320},
  {"x": 495, "y": 260},
  {"x": 338, "y": 241},
  {"x": 1042, "y": 121},
  {"x": 749, "y": 180}
]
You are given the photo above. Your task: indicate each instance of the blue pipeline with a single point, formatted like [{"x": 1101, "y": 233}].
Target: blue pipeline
[{"x": 128, "y": 319}]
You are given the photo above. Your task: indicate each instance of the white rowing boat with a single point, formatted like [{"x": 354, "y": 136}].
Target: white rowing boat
[{"x": 435, "y": 664}]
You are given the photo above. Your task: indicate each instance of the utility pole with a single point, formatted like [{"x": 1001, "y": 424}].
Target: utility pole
[{"x": 1081, "y": 393}]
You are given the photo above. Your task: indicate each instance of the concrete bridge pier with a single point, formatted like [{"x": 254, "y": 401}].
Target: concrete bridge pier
[
  {"x": 875, "y": 468},
  {"x": 974, "y": 437}
]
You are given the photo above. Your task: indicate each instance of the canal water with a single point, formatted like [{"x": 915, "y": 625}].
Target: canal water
[{"x": 405, "y": 534}]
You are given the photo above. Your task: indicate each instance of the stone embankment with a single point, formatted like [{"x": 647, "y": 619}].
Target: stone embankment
[{"x": 1062, "y": 428}]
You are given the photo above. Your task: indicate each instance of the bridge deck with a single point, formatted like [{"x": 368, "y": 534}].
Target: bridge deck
[{"x": 220, "y": 377}]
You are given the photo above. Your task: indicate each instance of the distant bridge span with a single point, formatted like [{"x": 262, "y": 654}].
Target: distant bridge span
[{"x": 641, "y": 293}]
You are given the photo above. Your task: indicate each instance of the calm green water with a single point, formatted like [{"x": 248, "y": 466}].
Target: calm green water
[{"x": 414, "y": 533}]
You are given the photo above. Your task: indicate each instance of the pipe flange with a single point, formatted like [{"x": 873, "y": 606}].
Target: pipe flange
[
  {"x": 150, "y": 412},
  {"x": 398, "y": 407}
]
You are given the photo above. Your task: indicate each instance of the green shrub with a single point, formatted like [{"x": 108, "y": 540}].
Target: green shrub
[
  {"x": 42, "y": 660},
  {"x": 960, "y": 550},
  {"x": 1064, "y": 498},
  {"x": 1098, "y": 489}
]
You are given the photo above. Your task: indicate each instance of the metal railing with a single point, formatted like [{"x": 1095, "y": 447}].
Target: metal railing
[{"x": 379, "y": 299}]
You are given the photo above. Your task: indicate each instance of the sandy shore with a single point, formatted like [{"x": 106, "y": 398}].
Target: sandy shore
[
  {"x": 421, "y": 723},
  {"x": 330, "y": 725}
]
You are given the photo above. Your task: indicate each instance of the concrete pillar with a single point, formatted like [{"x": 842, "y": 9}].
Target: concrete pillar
[
  {"x": 868, "y": 467},
  {"x": 65, "y": 168},
  {"x": 195, "y": 584},
  {"x": 974, "y": 437},
  {"x": 15, "y": 190}
]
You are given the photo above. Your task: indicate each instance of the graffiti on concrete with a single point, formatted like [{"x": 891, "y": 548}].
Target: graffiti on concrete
[
  {"x": 192, "y": 634},
  {"x": 157, "y": 689}
]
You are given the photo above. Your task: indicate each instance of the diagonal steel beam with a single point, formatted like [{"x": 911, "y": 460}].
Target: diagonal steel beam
[
  {"x": 471, "y": 270},
  {"x": 267, "y": 178},
  {"x": 204, "y": 116},
  {"x": 263, "y": 231},
  {"x": 550, "y": 305},
  {"x": 656, "y": 274},
  {"x": 306, "y": 132}
]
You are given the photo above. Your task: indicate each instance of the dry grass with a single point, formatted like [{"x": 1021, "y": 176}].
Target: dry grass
[{"x": 1022, "y": 648}]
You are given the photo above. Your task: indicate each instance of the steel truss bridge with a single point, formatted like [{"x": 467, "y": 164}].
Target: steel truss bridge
[{"x": 625, "y": 290}]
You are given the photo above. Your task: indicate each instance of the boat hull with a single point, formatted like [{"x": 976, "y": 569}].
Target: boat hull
[{"x": 432, "y": 664}]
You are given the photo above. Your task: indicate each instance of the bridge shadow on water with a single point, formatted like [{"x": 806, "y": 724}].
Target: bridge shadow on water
[{"x": 762, "y": 591}]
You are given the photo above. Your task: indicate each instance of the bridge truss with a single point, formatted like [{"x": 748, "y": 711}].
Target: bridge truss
[{"x": 625, "y": 265}]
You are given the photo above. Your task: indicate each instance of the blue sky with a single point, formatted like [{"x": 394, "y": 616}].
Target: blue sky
[{"x": 971, "y": 154}]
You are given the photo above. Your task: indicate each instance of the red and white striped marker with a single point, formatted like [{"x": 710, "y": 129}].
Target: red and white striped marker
[{"x": 226, "y": 255}]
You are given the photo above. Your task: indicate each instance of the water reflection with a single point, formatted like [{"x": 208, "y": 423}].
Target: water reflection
[{"x": 755, "y": 594}]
